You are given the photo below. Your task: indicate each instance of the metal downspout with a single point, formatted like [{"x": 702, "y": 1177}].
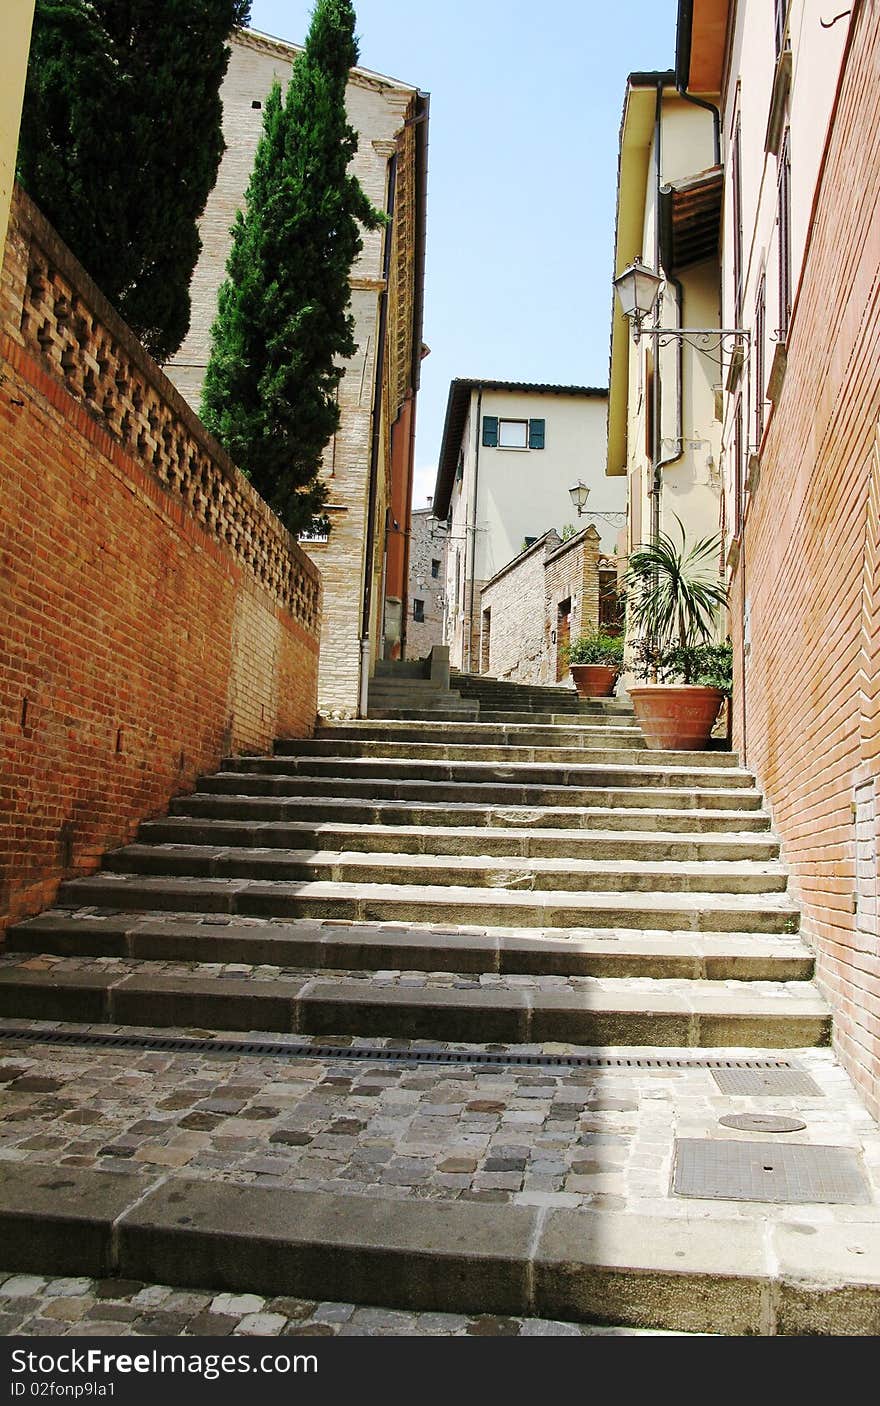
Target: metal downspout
[
  {"x": 479, "y": 427},
  {"x": 370, "y": 546}
]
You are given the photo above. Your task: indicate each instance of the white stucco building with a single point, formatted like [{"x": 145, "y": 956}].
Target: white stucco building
[{"x": 510, "y": 453}]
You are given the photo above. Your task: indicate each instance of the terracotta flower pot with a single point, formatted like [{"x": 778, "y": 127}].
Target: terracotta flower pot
[
  {"x": 676, "y": 717},
  {"x": 593, "y": 680}
]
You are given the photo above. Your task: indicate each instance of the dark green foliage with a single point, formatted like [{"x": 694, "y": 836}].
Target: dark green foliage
[
  {"x": 597, "y": 648},
  {"x": 283, "y": 323},
  {"x": 673, "y": 593},
  {"x": 120, "y": 143},
  {"x": 710, "y": 665}
]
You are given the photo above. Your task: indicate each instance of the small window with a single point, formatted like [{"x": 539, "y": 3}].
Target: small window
[
  {"x": 419, "y": 611},
  {"x": 513, "y": 434},
  {"x": 256, "y": 104},
  {"x": 435, "y": 568}
]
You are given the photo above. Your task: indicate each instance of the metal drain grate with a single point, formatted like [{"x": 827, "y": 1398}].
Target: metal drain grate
[
  {"x": 372, "y": 1054},
  {"x": 793, "y": 1173},
  {"x": 778, "y": 1081}
]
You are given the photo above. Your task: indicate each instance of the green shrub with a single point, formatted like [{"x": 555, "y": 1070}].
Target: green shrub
[
  {"x": 710, "y": 665},
  {"x": 596, "y": 648}
]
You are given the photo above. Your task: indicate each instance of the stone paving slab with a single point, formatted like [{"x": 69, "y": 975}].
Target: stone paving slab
[
  {"x": 563, "y": 873},
  {"x": 438, "y": 815},
  {"x": 622, "y": 1268},
  {"x": 382, "y": 902},
  {"x": 444, "y": 1005},
  {"x": 302, "y": 943},
  {"x": 523, "y": 841}
]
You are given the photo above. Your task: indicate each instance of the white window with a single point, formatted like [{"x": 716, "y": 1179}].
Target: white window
[{"x": 513, "y": 434}]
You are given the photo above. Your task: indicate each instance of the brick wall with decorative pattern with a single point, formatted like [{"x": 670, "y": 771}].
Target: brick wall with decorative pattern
[{"x": 155, "y": 613}]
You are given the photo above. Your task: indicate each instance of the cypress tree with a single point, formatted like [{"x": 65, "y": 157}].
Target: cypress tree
[
  {"x": 121, "y": 140},
  {"x": 283, "y": 323}
]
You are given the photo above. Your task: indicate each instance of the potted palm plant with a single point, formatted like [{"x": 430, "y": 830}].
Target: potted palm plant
[
  {"x": 595, "y": 662},
  {"x": 674, "y": 596}
]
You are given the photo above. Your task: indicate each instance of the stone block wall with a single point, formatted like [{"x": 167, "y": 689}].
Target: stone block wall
[
  {"x": 155, "y": 613},
  {"x": 518, "y": 640},
  {"x": 428, "y": 543},
  {"x": 806, "y": 711}
]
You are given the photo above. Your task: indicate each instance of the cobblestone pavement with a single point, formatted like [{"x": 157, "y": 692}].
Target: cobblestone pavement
[
  {"x": 549, "y": 1137},
  {"x": 33, "y": 1306}
]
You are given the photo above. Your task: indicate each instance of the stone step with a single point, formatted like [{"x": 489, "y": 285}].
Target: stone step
[
  {"x": 326, "y": 809},
  {"x": 571, "y": 734},
  {"x": 363, "y": 902},
  {"x": 321, "y": 946},
  {"x": 498, "y": 793},
  {"x": 740, "y": 1277},
  {"x": 602, "y": 747},
  {"x": 636, "y": 769},
  {"x": 588, "y": 1011},
  {"x": 539, "y": 717},
  {"x": 474, "y": 839},
  {"x": 442, "y": 714},
  {"x": 524, "y": 875}
]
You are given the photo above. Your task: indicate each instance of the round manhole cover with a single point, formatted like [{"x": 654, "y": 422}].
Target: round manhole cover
[{"x": 762, "y": 1123}]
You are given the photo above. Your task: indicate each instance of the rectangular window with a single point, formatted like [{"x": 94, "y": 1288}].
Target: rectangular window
[
  {"x": 784, "y": 225},
  {"x": 435, "y": 568},
  {"x": 737, "y": 233},
  {"x": 419, "y": 611},
  {"x": 760, "y": 365},
  {"x": 780, "y": 7},
  {"x": 513, "y": 434}
]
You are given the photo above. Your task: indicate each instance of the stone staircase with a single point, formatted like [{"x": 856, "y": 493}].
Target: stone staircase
[{"x": 510, "y": 882}]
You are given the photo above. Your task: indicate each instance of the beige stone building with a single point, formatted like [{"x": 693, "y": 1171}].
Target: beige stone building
[
  {"x": 664, "y": 428},
  {"x": 368, "y": 464},
  {"x": 537, "y": 603},
  {"x": 427, "y": 580},
  {"x": 510, "y": 453}
]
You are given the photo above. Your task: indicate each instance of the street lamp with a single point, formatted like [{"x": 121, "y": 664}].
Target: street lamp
[
  {"x": 579, "y": 493},
  {"x": 638, "y": 289}
]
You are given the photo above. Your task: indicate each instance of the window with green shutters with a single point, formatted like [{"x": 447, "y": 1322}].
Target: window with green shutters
[{"x": 512, "y": 434}]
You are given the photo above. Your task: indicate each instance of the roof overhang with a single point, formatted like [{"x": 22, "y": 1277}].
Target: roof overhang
[
  {"x": 690, "y": 219},
  {"x": 700, "y": 44},
  {"x": 636, "y": 136}
]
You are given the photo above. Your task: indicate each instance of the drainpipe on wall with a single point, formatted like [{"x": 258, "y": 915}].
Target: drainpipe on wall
[
  {"x": 682, "y": 70},
  {"x": 479, "y": 433},
  {"x": 375, "y": 448},
  {"x": 655, "y": 370}
]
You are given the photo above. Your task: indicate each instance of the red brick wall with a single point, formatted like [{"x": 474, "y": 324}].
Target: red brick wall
[
  {"x": 810, "y": 724},
  {"x": 148, "y": 626}
]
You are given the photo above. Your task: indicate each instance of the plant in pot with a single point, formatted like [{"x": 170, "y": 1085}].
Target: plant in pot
[
  {"x": 674, "y": 596},
  {"x": 595, "y": 661}
]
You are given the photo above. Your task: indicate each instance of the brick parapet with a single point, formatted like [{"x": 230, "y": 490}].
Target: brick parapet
[{"x": 155, "y": 613}]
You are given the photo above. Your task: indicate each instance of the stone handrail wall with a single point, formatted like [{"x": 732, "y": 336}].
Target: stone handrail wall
[{"x": 63, "y": 316}]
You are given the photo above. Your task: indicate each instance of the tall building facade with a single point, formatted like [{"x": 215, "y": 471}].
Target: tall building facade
[
  {"x": 510, "y": 454},
  {"x": 368, "y": 464}
]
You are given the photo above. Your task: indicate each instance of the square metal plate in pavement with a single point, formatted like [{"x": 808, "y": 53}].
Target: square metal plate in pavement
[
  {"x": 756, "y": 1082},
  {"x": 726, "y": 1169}
]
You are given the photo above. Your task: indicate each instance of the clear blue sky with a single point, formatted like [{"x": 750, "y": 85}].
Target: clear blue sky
[{"x": 525, "y": 110}]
